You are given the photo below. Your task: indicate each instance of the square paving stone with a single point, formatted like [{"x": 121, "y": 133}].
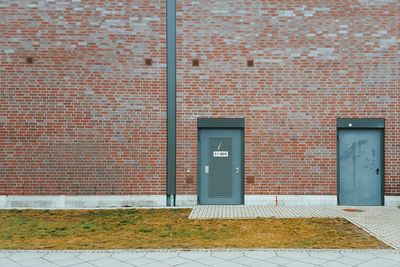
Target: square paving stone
[
  {"x": 244, "y": 260},
  {"x": 358, "y": 255},
  {"x": 140, "y": 261},
  {"x": 33, "y": 262},
  {"x": 161, "y": 255},
  {"x": 105, "y": 262},
  {"x": 334, "y": 264},
  {"x": 48, "y": 265},
  {"x": 313, "y": 260},
  {"x": 4, "y": 254},
  {"x": 68, "y": 262},
  {"x": 156, "y": 264},
  {"x": 56, "y": 256},
  {"x": 175, "y": 261},
  {"x": 260, "y": 255},
  {"x": 349, "y": 261},
  {"x": 228, "y": 264},
  {"x": 209, "y": 260},
  {"x": 328, "y": 255},
  {"x": 83, "y": 265},
  {"x": 225, "y": 255},
  {"x": 23, "y": 256},
  {"x": 279, "y": 260},
  {"x": 123, "y": 256},
  {"x": 380, "y": 263},
  {"x": 293, "y": 254},
  {"x": 388, "y": 255},
  {"x": 194, "y": 255},
  {"x": 89, "y": 256},
  {"x": 8, "y": 263},
  {"x": 120, "y": 264},
  {"x": 191, "y": 264},
  {"x": 263, "y": 264},
  {"x": 299, "y": 264}
]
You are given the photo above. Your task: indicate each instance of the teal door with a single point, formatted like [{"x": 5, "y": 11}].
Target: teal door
[
  {"x": 360, "y": 167},
  {"x": 220, "y": 166}
]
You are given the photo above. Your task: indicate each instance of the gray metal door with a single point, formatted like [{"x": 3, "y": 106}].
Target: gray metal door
[
  {"x": 360, "y": 167},
  {"x": 220, "y": 166}
]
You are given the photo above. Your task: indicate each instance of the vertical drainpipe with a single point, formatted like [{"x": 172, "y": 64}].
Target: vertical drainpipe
[{"x": 171, "y": 102}]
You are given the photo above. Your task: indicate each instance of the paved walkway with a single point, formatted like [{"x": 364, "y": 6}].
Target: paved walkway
[
  {"x": 381, "y": 222},
  {"x": 229, "y": 258}
]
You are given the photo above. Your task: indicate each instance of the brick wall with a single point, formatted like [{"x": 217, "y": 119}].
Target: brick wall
[
  {"x": 314, "y": 61},
  {"x": 87, "y": 116}
]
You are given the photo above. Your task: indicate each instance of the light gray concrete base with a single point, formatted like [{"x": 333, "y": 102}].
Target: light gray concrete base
[
  {"x": 224, "y": 257},
  {"x": 118, "y": 201},
  {"x": 291, "y": 200},
  {"x": 81, "y": 202},
  {"x": 392, "y": 201},
  {"x": 271, "y": 200},
  {"x": 286, "y": 200},
  {"x": 186, "y": 200}
]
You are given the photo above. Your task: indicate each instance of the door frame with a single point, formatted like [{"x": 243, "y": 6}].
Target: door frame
[
  {"x": 220, "y": 124},
  {"x": 361, "y": 124}
]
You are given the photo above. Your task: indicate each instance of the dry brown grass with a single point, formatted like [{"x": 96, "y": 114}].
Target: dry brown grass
[{"x": 170, "y": 228}]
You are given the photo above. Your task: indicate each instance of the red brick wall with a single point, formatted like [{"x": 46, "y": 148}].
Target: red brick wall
[
  {"x": 88, "y": 116},
  {"x": 314, "y": 61}
]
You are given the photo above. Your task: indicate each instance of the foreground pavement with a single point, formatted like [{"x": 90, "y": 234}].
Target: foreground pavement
[
  {"x": 229, "y": 258},
  {"x": 381, "y": 222}
]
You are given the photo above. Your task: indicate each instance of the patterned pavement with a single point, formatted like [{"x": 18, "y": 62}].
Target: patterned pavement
[
  {"x": 381, "y": 222},
  {"x": 194, "y": 258}
]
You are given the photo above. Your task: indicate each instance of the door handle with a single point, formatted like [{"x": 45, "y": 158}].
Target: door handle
[
  {"x": 377, "y": 171},
  {"x": 206, "y": 169},
  {"x": 237, "y": 170}
]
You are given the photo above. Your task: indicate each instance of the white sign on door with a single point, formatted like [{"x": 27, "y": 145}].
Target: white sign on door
[{"x": 220, "y": 154}]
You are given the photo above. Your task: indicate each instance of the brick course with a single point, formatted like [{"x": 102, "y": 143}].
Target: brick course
[{"x": 89, "y": 117}]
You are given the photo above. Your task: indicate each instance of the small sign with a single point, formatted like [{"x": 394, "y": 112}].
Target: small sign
[{"x": 220, "y": 154}]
